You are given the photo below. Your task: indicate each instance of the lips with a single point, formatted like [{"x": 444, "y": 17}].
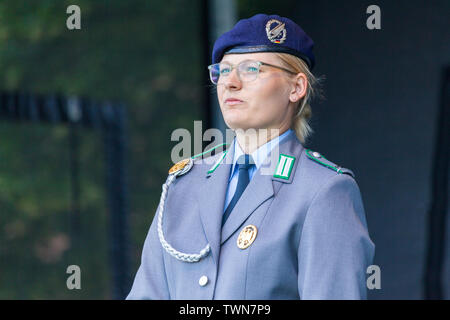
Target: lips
[{"x": 232, "y": 101}]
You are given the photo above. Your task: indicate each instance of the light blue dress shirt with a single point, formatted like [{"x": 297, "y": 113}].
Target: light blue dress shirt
[{"x": 259, "y": 155}]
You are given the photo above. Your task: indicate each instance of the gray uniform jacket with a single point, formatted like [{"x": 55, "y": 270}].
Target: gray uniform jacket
[{"x": 312, "y": 240}]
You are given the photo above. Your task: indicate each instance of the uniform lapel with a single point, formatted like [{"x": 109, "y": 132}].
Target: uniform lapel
[
  {"x": 261, "y": 187},
  {"x": 211, "y": 200}
]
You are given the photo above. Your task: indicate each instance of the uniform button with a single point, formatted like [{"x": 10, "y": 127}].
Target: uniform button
[
  {"x": 316, "y": 154},
  {"x": 203, "y": 281}
]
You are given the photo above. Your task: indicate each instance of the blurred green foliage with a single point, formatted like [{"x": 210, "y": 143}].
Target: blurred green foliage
[{"x": 146, "y": 54}]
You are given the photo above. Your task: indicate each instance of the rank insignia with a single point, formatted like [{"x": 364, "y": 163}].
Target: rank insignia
[{"x": 284, "y": 166}]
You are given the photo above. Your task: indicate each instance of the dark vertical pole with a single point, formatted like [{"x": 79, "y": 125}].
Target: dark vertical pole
[
  {"x": 115, "y": 145},
  {"x": 70, "y": 111},
  {"x": 438, "y": 212},
  {"x": 205, "y": 30},
  {"x": 74, "y": 174}
]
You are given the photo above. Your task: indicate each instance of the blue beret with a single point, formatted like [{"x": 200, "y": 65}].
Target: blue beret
[{"x": 264, "y": 33}]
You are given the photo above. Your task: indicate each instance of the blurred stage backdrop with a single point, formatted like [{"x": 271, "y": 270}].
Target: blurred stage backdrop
[{"x": 86, "y": 118}]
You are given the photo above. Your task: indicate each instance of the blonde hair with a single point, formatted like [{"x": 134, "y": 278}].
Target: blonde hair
[{"x": 300, "y": 121}]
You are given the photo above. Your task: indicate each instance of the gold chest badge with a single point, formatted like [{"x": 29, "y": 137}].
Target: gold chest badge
[{"x": 247, "y": 236}]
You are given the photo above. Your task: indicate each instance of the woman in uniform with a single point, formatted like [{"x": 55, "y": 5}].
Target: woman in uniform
[{"x": 266, "y": 218}]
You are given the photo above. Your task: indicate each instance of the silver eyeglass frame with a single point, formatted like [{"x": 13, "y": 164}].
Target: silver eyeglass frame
[{"x": 259, "y": 63}]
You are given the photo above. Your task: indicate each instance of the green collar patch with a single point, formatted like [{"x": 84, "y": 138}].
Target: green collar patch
[{"x": 284, "y": 166}]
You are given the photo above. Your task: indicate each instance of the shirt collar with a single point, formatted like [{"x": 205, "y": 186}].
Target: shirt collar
[{"x": 260, "y": 154}]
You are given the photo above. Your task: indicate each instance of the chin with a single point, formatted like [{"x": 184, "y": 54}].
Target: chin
[
  {"x": 234, "y": 121},
  {"x": 239, "y": 125},
  {"x": 233, "y": 124},
  {"x": 239, "y": 120}
]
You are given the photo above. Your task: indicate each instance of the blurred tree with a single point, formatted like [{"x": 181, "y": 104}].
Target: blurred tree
[{"x": 144, "y": 53}]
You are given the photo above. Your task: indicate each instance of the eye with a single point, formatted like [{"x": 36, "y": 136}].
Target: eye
[
  {"x": 225, "y": 70},
  {"x": 252, "y": 69}
]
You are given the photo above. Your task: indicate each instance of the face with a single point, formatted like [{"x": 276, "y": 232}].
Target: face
[{"x": 264, "y": 103}]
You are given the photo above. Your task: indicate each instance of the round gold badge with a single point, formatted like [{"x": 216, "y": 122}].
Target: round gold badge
[
  {"x": 247, "y": 236},
  {"x": 179, "y": 166}
]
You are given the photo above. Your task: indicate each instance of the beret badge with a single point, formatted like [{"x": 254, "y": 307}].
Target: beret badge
[{"x": 276, "y": 31}]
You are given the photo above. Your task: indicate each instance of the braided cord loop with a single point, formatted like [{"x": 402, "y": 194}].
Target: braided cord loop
[{"x": 185, "y": 257}]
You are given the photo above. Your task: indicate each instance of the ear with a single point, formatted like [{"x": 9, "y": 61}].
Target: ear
[{"x": 300, "y": 84}]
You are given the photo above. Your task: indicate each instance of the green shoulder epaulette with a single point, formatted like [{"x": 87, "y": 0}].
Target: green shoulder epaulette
[{"x": 317, "y": 157}]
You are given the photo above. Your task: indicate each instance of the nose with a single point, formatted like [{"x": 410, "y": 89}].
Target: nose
[{"x": 232, "y": 81}]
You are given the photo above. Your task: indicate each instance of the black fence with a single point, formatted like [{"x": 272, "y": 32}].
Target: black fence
[{"x": 84, "y": 114}]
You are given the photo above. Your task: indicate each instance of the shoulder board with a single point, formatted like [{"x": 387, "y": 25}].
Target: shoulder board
[{"x": 317, "y": 157}]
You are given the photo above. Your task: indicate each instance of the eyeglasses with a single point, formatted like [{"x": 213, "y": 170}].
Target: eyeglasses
[{"x": 247, "y": 70}]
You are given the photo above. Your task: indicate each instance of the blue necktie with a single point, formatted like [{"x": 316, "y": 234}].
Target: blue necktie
[{"x": 244, "y": 162}]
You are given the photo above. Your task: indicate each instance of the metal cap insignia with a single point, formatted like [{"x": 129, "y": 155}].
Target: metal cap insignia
[
  {"x": 247, "y": 236},
  {"x": 276, "y": 31}
]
